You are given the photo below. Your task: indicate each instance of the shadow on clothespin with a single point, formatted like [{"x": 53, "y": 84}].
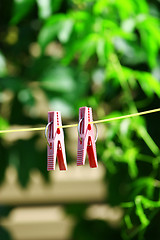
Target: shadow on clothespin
[
  {"x": 86, "y": 139},
  {"x": 55, "y": 140}
]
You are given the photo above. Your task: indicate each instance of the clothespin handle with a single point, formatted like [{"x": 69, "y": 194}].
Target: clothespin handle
[
  {"x": 55, "y": 139},
  {"x": 86, "y": 140}
]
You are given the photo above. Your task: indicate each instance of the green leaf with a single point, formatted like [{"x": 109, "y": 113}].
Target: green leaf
[
  {"x": 65, "y": 30},
  {"x": 131, "y": 53},
  {"x": 149, "y": 83},
  {"x": 88, "y": 47},
  {"x": 25, "y": 96},
  {"x": 3, "y": 124},
  {"x": 128, "y": 221},
  {"x": 129, "y": 75},
  {"x": 58, "y": 79},
  {"x": 3, "y": 161},
  {"x": 11, "y": 83},
  {"x": 104, "y": 49},
  {"x": 124, "y": 127},
  {"x": 130, "y": 157},
  {"x": 140, "y": 212},
  {"x": 100, "y": 6},
  {"x": 152, "y": 50},
  {"x": 4, "y": 234},
  {"x": 144, "y": 183},
  {"x": 44, "y": 8},
  {"x": 139, "y": 126},
  {"x": 143, "y": 203},
  {"x": 50, "y": 30},
  {"x": 3, "y": 66},
  {"x": 126, "y": 11},
  {"x": 24, "y": 156},
  {"x": 56, "y": 5},
  {"x": 150, "y": 37},
  {"x": 142, "y": 6},
  {"x": 47, "y": 7},
  {"x": 128, "y": 25},
  {"x": 5, "y": 211},
  {"x": 21, "y": 9},
  {"x": 77, "y": 210},
  {"x": 62, "y": 105}
]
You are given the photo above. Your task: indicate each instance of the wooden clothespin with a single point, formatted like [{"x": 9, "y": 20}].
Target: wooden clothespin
[
  {"x": 55, "y": 141},
  {"x": 86, "y": 139}
]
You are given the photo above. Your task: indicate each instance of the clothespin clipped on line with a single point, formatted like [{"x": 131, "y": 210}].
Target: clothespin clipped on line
[
  {"x": 86, "y": 140},
  {"x": 55, "y": 140}
]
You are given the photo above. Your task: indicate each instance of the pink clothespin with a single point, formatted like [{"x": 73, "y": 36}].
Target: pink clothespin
[
  {"x": 86, "y": 140},
  {"x": 55, "y": 141}
]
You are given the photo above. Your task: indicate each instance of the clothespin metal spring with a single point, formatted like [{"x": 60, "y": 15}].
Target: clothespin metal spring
[
  {"x": 46, "y": 131},
  {"x": 79, "y": 130}
]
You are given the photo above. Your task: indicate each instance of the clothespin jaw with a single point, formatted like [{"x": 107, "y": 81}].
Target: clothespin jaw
[
  {"x": 56, "y": 147},
  {"x": 86, "y": 140}
]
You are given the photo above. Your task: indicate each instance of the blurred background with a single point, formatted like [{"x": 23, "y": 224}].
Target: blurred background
[{"x": 62, "y": 55}]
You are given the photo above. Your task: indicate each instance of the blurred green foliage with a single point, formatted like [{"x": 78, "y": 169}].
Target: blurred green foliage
[
  {"x": 99, "y": 53},
  {"x": 4, "y": 235}
]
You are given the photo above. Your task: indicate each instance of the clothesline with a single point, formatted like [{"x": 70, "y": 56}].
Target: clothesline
[{"x": 75, "y": 125}]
